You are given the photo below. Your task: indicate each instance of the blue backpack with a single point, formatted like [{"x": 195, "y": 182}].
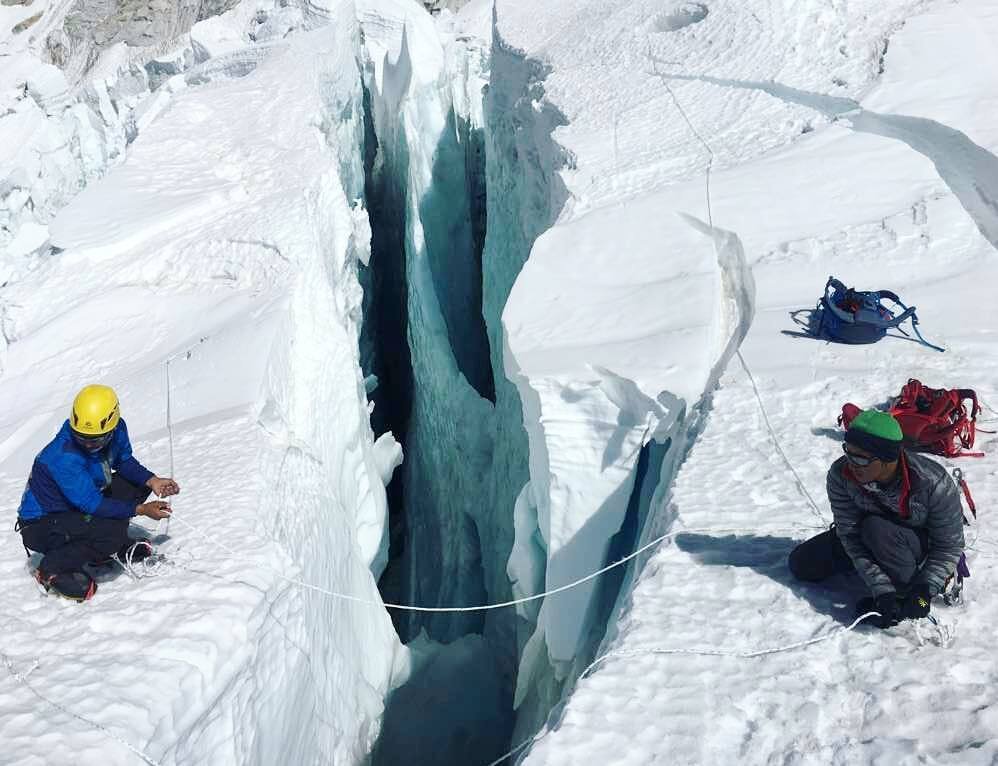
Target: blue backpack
[{"x": 846, "y": 315}]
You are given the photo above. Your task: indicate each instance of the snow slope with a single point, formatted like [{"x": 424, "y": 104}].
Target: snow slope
[
  {"x": 228, "y": 241},
  {"x": 626, "y": 311}
]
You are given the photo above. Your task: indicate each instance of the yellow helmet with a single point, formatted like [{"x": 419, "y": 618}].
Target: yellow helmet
[{"x": 95, "y": 411}]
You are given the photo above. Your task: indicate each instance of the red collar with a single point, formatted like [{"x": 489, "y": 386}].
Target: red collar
[{"x": 904, "y": 510}]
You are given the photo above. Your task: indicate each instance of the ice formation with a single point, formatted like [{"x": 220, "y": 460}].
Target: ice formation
[{"x": 446, "y": 313}]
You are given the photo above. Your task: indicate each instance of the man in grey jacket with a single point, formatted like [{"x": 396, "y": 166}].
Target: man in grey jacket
[{"x": 898, "y": 523}]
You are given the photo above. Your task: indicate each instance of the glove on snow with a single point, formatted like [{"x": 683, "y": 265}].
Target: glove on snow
[
  {"x": 916, "y": 603},
  {"x": 886, "y": 604}
]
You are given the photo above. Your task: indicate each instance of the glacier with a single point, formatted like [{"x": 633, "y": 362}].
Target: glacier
[
  {"x": 229, "y": 241},
  {"x": 452, "y": 319}
]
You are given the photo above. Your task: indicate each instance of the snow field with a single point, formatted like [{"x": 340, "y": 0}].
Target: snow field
[
  {"x": 232, "y": 231},
  {"x": 874, "y": 212},
  {"x": 587, "y": 308},
  {"x": 228, "y": 232}
]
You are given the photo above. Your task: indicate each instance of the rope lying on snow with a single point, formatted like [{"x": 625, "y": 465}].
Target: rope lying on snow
[
  {"x": 802, "y": 488},
  {"x": 945, "y": 637},
  {"x": 22, "y": 679},
  {"x": 700, "y": 651},
  {"x": 128, "y": 566}
]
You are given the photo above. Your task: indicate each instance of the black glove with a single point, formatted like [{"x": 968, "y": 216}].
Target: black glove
[
  {"x": 915, "y": 605},
  {"x": 886, "y": 604}
]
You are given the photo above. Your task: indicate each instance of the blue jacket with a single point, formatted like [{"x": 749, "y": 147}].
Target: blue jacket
[{"x": 66, "y": 477}]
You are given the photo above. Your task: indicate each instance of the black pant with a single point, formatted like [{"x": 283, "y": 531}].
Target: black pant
[
  {"x": 71, "y": 539},
  {"x": 899, "y": 550}
]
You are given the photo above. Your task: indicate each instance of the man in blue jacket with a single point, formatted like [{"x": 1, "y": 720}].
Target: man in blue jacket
[{"x": 84, "y": 487}]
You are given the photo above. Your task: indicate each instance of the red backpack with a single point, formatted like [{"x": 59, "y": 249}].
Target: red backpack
[{"x": 932, "y": 419}]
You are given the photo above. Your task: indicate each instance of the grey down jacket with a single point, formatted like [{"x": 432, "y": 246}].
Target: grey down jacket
[{"x": 934, "y": 504}]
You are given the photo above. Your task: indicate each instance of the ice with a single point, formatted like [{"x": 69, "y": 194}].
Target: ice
[
  {"x": 563, "y": 345},
  {"x": 413, "y": 730},
  {"x": 424, "y": 161},
  {"x": 222, "y": 34},
  {"x": 889, "y": 186},
  {"x": 230, "y": 247}
]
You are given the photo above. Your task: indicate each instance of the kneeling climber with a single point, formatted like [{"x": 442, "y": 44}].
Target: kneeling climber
[
  {"x": 84, "y": 487},
  {"x": 898, "y": 523}
]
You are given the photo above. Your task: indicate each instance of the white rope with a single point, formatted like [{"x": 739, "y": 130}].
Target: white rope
[
  {"x": 516, "y": 749},
  {"x": 723, "y": 653},
  {"x": 699, "y": 651},
  {"x": 22, "y": 678},
  {"x": 689, "y": 123},
  {"x": 186, "y": 354},
  {"x": 485, "y": 607},
  {"x": 169, "y": 433},
  {"x": 802, "y": 488},
  {"x": 152, "y": 565}
]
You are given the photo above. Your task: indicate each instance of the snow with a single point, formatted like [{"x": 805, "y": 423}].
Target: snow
[
  {"x": 203, "y": 203},
  {"x": 891, "y": 185},
  {"x": 227, "y": 243}
]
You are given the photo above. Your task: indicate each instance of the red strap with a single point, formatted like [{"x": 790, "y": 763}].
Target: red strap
[
  {"x": 966, "y": 494},
  {"x": 905, "y": 488}
]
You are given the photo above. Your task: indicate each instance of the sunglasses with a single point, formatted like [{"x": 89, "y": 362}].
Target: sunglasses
[
  {"x": 93, "y": 443},
  {"x": 858, "y": 460}
]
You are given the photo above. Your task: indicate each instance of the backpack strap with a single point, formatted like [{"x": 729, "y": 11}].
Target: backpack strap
[
  {"x": 907, "y": 313},
  {"x": 827, "y": 300},
  {"x": 969, "y": 393},
  {"x": 835, "y": 285},
  {"x": 891, "y": 296},
  {"x": 958, "y": 475}
]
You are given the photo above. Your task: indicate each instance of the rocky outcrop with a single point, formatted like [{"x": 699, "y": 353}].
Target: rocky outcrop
[{"x": 92, "y": 26}]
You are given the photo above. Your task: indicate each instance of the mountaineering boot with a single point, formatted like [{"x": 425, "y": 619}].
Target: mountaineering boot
[
  {"x": 142, "y": 550},
  {"x": 135, "y": 551},
  {"x": 76, "y": 586}
]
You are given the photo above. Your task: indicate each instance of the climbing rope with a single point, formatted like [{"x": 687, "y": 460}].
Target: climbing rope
[
  {"x": 152, "y": 565},
  {"x": 486, "y": 607},
  {"x": 169, "y": 434},
  {"x": 698, "y": 651},
  {"x": 944, "y": 638},
  {"x": 22, "y": 679},
  {"x": 186, "y": 354},
  {"x": 802, "y": 488}
]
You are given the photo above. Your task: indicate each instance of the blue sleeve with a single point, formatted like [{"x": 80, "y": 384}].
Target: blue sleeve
[
  {"x": 78, "y": 488},
  {"x": 124, "y": 463},
  {"x": 134, "y": 471}
]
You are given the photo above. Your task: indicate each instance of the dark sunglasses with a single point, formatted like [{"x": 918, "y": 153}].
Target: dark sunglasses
[
  {"x": 858, "y": 460},
  {"x": 93, "y": 443}
]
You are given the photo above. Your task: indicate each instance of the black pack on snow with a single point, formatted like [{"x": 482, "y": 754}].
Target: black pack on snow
[{"x": 847, "y": 315}]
